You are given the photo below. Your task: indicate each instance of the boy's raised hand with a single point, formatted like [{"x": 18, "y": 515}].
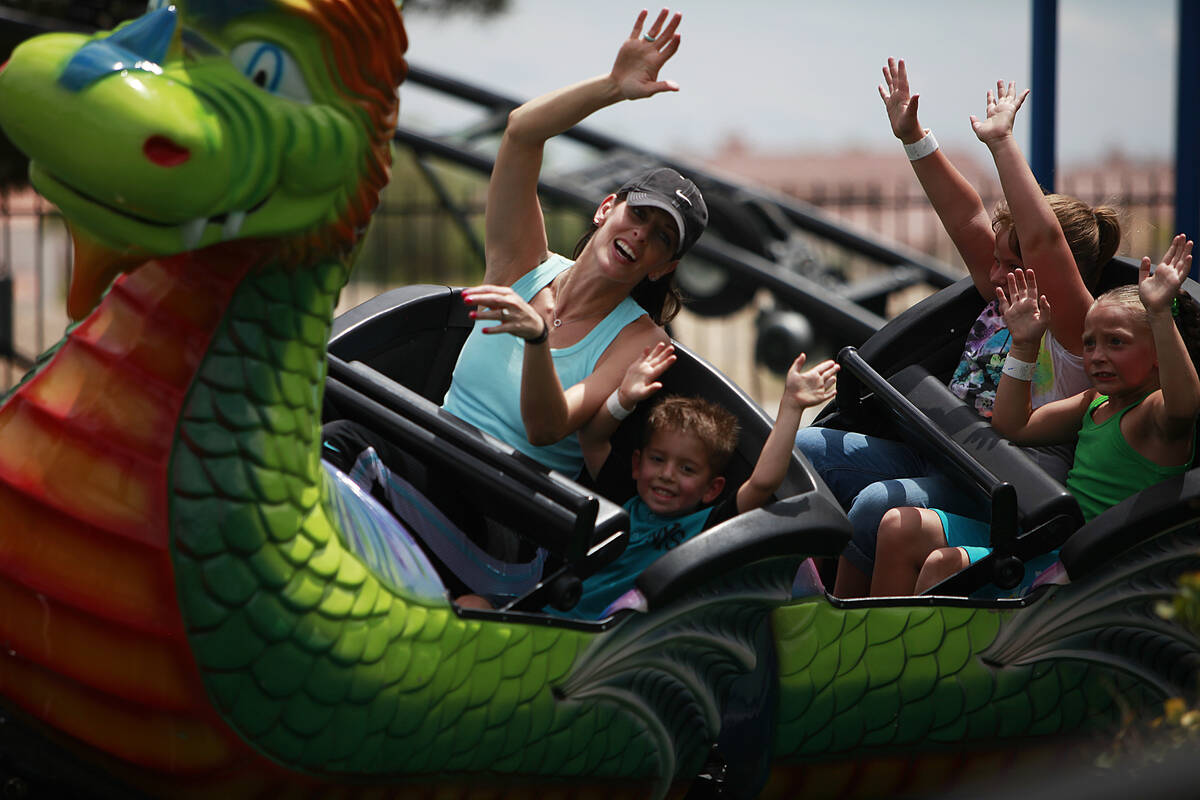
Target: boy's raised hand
[
  {"x": 1158, "y": 288},
  {"x": 811, "y": 387},
  {"x": 1026, "y": 313},
  {"x": 1002, "y": 110},
  {"x": 801, "y": 390},
  {"x": 641, "y": 378},
  {"x": 641, "y": 56},
  {"x": 901, "y": 106}
]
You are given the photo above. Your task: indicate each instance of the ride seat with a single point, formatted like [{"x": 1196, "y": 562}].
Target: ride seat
[
  {"x": 584, "y": 532},
  {"x": 1046, "y": 514},
  {"x": 690, "y": 375},
  {"x": 1023, "y": 498}
]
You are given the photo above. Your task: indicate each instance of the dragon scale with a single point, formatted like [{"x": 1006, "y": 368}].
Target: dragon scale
[{"x": 309, "y": 655}]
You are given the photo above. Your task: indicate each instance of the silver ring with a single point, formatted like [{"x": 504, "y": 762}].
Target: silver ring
[
  {"x": 504, "y": 313},
  {"x": 648, "y": 38}
]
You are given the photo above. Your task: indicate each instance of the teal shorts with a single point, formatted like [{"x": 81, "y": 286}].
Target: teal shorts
[{"x": 975, "y": 537}]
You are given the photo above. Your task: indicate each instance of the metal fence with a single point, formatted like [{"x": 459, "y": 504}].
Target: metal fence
[
  {"x": 1143, "y": 197},
  {"x": 414, "y": 239}
]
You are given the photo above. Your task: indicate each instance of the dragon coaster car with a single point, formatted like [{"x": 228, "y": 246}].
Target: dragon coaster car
[{"x": 191, "y": 604}]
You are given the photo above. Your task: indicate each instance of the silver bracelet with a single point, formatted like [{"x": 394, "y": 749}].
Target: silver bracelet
[
  {"x": 921, "y": 147},
  {"x": 613, "y": 404},
  {"x": 1016, "y": 368}
]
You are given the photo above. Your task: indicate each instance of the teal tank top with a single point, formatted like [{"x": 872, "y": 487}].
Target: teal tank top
[
  {"x": 1106, "y": 468},
  {"x": 486, "y": 387},
  {"x": 650, "y": 535}
]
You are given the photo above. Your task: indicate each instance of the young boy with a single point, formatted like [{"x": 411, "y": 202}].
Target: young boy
[{"x": 685, "y": 447}]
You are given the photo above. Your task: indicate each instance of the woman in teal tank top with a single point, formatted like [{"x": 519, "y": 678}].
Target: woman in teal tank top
[
  {"x": 553, "y": 337},
  {"x": 1136, "y": 425}
]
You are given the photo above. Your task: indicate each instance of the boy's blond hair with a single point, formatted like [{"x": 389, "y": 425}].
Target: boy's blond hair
[{"x": 716, "y": 428}]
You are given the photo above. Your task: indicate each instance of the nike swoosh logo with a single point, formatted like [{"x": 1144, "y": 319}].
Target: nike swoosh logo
[{"x": 682, "y": 196}]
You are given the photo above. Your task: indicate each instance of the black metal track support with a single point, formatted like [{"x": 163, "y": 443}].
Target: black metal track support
[{"x": 461, "y": 219}]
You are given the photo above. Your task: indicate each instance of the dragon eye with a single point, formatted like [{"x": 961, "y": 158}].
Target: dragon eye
[{"x": 271, "y": 68}]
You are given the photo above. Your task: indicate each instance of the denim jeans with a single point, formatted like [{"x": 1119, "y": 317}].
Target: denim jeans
[{"x": 870, "y": 475}]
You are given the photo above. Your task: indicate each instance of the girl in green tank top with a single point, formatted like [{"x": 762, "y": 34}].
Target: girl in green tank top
[{"x": 1135, "y": 426}]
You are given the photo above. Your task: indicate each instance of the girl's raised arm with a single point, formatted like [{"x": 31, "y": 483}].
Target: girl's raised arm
[
  {"x": 1176, "y": 373},
  {"x": 1043, "y": 244},
  {"x": 515, "y": 232},
  {"x": 956, "y": 202}
]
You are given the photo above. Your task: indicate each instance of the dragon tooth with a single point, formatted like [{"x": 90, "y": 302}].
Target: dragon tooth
[
  {"x": 233, "y": 225},
  {"x": 192, "y": 231}
]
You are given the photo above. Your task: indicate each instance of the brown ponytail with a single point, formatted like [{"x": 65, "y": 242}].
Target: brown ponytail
[
  {"x": 1108, "y": 220},
  {"x": 1092, "y": 234}
]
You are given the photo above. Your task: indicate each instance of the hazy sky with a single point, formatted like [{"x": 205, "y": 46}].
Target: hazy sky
[{"x": 790, "y": 74}]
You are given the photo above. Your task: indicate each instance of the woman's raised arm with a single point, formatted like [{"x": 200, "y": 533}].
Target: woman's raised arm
[
  {"x": 1043, "y": 243},
  {"x": 956, "y": 202},
  {"x": 515, "y": 232}
]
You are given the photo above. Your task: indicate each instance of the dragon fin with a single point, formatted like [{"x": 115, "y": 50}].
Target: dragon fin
[
  {"x": 675, "y": 670},
  {"x": 1109, "y": 618}
]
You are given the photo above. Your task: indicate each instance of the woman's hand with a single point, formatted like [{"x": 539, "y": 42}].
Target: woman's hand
[
  {"x": 641, "y": 380},
  {"x": 502, "y": 303},
  {"x": 811, "y": 387},
  {"x": 901, "y": 107},
  {"x": 1159, "y": 289},
  {"x": 1026, "y": 313},
  {"x": 635, "y": 70},
  {"x": 1002, "y": 110}
]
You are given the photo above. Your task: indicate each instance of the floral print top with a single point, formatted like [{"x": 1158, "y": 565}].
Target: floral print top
[{"x": 978, "y": 373}]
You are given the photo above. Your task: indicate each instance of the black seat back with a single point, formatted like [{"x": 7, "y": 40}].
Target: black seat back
[
  {"x": 411, "y": 335},
  {"x": 1040, "y": 498},
  {"x": 692, "y": 375},
  {"x": 1030, "y": 512}
]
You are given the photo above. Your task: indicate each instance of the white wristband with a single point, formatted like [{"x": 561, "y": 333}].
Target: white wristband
[
  {"x": 921, "y": 147},
  {"x": 613, "y": 404},
  {"x": 1016, "y": 368}
]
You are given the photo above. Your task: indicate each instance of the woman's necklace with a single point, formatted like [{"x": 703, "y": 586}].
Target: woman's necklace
[
  {"x": 556, "y": 291},
  {"x": 558, "y": 322}
]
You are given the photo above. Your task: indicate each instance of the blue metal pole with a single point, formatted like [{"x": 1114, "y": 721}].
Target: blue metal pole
[
  {"x": 1187, "y": 125},
  {"x": 1044, "y": 85}
]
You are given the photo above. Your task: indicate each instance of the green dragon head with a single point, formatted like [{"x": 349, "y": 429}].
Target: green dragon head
[{"x": 205, "y": 121}]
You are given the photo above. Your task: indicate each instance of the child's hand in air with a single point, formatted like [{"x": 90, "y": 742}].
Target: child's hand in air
[
  {"x": 635, "y": 70},
  {"x": 1159, "y": 288},
  {"x": 641, "y": 379},
  {"x": 811, "y": 387},
  {"x": 1002, "y": 110},
  {"x": 1026, "y": 313},
  {"x": 901, "y": 107}
]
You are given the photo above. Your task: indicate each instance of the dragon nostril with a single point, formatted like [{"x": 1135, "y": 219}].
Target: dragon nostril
[{"x": 164, "y": 152}]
